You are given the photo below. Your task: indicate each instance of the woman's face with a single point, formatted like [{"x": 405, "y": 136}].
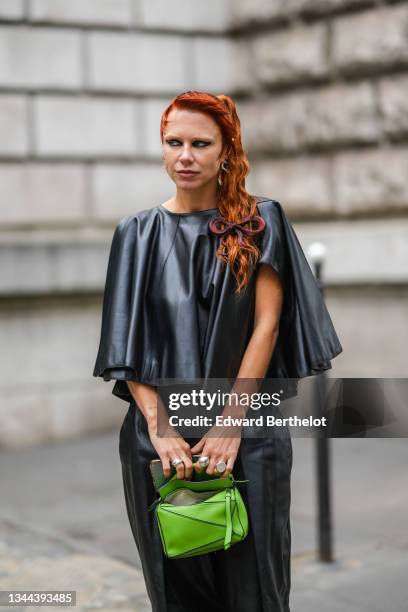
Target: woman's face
[{"x": 192, "y": 146}]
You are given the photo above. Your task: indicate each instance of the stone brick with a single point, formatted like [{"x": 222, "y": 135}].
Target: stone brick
[
  {"x": 372, "y": 327},
  {"x": 220, "y": 65},
  {"x": 11, "y": 9},
  {"x": 394, "y": 105},
  {"x": 36, "y": 193},
  {"x": 275, "y": 124},
  {"x": 371, "y": 40},
  {"x": 26, "y": 268},
  {"x": 63, "y": 339},
  {"x": 137, "y": 62},
  {"x": 371, "y": 181},
  {"x": 211, "y": 16},
  {"x": 89, "y": 127},
  {"x": 244, "y": 12},
  {"x": 380, "y": 240},
  {"x": 320, "y": 7},
  {"x": 60, "y": 340},
  {"x": 39, "y": 57},
  {"x": 57, "y": 412},
  {"x": 302, "y": 184},
  {"x": 152, "y": 112},
  {"x": 103, "y": 12},
  {"x": 341, "y": 114},
  {"x": 13, "y": 125},
  {"x": 65, "y": 263},
  {"x": 120, "y": 190},
  {"x": 324, "y": 117},
  {"x": 297, "y": 54}
]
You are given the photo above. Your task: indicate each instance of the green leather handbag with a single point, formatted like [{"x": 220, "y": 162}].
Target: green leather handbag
[{"x": 196, "y": 517}]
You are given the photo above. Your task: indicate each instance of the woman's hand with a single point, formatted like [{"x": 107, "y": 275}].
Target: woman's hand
[
  {"x": 219, "y": 444},
  {"x": 170, "y": 448}
]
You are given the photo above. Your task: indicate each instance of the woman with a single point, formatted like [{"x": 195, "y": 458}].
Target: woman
[{"x": 195, "y": 290}]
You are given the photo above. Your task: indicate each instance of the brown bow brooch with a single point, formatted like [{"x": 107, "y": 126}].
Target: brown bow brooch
[{"x": 220, "y": 226}]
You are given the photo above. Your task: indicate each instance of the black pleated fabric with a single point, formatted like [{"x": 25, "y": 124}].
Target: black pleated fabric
[{"x": 170, "y": 312}]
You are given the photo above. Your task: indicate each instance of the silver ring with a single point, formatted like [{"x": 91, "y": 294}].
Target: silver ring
[
  {"x": 203, "y": 461},
  {"x": 221, "y": 466},
  {"x": 176, "y": 462}
]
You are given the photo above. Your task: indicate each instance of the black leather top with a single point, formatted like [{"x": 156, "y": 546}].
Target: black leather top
[{"x": 170, "y": 309}]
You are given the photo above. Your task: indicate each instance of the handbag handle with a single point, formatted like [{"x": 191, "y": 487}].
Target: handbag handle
[{"x": 228, "y": 517}]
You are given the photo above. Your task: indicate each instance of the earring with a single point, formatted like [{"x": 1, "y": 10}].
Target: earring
[{"x": 225, "y": 168}]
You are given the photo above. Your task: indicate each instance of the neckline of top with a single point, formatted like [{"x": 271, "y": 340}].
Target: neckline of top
[{"x": 183, "y": 214}]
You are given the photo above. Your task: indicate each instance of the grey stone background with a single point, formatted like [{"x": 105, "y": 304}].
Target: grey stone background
[{"x": 321, "y": 89}]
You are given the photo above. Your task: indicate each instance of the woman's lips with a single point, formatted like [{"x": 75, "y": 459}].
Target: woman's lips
[{"x": 186, "y": 173}]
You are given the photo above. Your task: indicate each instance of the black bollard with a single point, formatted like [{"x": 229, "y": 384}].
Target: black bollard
[{"x": 324, "y": 516}]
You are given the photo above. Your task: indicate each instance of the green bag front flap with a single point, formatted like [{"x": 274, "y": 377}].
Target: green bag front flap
[{"x": 187, "y": 530}]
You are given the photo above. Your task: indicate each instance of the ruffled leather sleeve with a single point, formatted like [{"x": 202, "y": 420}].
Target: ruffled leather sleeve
[
  {"x": 307, "y": 339},
  {"x": 116, "y": 358}
]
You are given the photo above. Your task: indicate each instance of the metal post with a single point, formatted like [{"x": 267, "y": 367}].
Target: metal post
[{"x": 317, "y": 252}]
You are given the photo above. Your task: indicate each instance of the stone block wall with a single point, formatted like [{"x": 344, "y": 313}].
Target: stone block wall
[{"x": 321, "y": 92}]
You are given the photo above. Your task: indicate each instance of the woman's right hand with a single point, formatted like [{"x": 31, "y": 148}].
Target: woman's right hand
[{"x": 170, "y": 448}]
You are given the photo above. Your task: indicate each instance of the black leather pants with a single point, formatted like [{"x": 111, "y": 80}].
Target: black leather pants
[{"x": 251, "y": 576}]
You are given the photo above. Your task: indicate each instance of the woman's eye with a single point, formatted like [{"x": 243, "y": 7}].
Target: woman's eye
[{"x": 196, "y": 143}]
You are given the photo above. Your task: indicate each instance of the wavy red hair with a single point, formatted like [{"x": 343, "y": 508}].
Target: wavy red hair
[{"x": 233, "y": 201}]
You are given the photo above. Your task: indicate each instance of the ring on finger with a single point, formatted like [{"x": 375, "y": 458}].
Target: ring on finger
[
  {"x": 203, "y": 461},
  {"x": 176, "y": 462},
  {"x": 221, "y": 466}
]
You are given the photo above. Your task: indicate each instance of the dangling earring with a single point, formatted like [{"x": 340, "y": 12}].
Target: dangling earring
[{"x": 225, "y": 168}]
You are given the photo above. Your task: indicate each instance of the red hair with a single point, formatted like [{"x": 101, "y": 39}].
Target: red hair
[{"x": 233, "y": 201}]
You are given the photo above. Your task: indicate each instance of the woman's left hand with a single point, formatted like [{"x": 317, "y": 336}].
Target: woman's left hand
[{"x": 218, "y": 445}]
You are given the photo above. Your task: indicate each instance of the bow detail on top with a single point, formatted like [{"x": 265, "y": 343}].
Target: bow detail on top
[{"x": 219, "y": 225}]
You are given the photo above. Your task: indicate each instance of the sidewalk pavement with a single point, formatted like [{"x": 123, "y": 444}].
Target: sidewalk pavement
[{"x": 63, "y": 525}]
